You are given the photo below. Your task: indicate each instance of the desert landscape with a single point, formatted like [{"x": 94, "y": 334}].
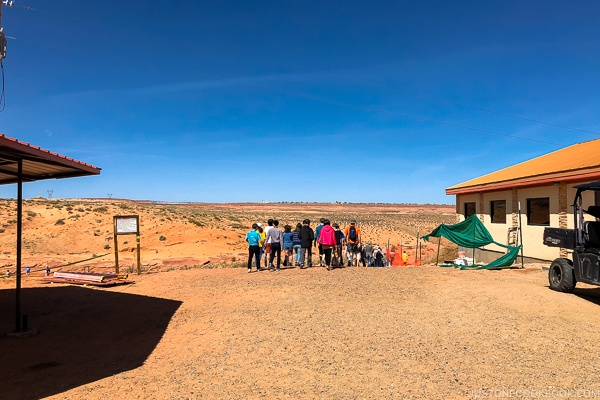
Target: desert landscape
[
  {"x": 61, "y": 232},
  {"x": 196, "y": 325}
]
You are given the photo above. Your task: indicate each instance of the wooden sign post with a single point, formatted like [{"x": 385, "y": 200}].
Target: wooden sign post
[{"x": 127, "y": 225}]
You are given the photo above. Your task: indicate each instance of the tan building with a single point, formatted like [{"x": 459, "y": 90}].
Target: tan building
[{"x": 542, "y": 186}]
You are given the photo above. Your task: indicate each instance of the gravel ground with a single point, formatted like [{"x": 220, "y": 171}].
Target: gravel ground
[{"x": 352, "y": 333}]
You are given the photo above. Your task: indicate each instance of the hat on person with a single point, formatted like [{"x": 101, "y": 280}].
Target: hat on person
[{"x": 259, "y": 224}]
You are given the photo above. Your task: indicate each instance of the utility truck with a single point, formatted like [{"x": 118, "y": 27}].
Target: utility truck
[{"x": 583, "y": 240}]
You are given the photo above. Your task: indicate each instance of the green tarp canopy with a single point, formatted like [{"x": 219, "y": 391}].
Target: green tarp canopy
[{"x": 471, "y": 233}]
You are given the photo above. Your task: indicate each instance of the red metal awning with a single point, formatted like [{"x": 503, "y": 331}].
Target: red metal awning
[{"x": 38, "y": 163}]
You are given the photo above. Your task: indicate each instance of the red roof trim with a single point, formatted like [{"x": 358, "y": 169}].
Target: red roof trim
[
  {"x": 45, "y": 154},
  {"x": 591, "y": 175}
]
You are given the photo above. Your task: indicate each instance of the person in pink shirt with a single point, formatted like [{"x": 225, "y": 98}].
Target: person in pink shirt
[{"x": 327, "y": 240}]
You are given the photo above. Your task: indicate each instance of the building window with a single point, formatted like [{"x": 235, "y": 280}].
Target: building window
[
  {"x": 498, "y": 211},
  {"x": 538, "y": 211},
  {"x": 469, "y": 209}
]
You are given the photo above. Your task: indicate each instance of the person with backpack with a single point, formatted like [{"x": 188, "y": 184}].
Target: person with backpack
[
  {"x": 378, "y": 256},
  {"x": 352, "y": 233},
  {"x": 307, "y": 236}
]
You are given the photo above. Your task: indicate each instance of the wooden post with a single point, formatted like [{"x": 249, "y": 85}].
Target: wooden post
[
  {"x": 438, "y": 253},
  {"x": 139, "y": 262},
  {"x": 116, "y": 246}
]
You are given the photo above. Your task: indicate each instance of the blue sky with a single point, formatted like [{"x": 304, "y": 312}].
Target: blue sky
[{"x": 357, "y": 101}]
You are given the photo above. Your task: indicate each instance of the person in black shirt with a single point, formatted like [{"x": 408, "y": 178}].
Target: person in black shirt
[{"x": 307, "y": 236}]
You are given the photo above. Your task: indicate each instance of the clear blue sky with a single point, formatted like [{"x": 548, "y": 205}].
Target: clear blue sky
[{"x": 358, "y": 101}]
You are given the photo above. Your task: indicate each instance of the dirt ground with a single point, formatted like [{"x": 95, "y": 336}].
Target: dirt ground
[{"x": 352, "y": 333}]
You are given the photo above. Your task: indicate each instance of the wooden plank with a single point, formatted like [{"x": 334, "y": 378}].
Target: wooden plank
[
  {"x": 78, "y": 276},
  {"x": 111, "y": 282}
]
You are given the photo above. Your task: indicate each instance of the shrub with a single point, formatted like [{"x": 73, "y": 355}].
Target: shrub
[
  {"x": 195, "y": 222},
  {"x": 162, "y": 238},
  {"x": 102, "y": 209},
  {"x": 60, "y": 222}
]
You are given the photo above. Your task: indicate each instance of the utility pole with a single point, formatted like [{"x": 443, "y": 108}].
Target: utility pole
[{"x": 2, "y": 35}]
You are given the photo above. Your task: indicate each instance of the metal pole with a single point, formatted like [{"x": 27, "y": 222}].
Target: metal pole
[
  {"x": 521, "y": 237},
  {"x": 19, "y": 233},
  {"x": 417, "y": 246},
  {"x": 401, "y": 251}
]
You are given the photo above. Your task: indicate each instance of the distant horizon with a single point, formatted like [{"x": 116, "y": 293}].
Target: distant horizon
[{"x": 233, "y": 202}]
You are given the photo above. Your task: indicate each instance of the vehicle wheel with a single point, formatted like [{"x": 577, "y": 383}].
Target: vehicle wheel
[{"x": 561, "y": 276}]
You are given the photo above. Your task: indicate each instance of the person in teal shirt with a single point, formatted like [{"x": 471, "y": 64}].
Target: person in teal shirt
[{"x": 253, "y": 238}]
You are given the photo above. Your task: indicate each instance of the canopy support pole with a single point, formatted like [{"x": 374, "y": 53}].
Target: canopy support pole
[
  {"x": 437, "y": 259},
  {"x": 19, "y": 234}
]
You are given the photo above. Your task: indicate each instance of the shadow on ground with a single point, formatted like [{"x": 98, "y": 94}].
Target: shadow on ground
[
  {"x": 590, "y": 294},
  {"x": 84, "y": 335}
]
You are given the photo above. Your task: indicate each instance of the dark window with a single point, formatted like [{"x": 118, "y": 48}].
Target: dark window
[
  {"x": 538, "y": 211},
  {"x": 596, "y": 198},
  {"x": 469, "y": 209},
  {"x": 498, "y": 211}
]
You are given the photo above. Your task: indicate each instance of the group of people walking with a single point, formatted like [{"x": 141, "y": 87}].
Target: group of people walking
[{"x": 297, "y": 244}]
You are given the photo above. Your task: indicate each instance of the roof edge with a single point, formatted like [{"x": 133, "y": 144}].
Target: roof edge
[{"x": 531, "y": 181}]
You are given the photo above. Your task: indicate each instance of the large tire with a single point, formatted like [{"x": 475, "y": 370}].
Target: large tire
[{"x": 561, "y": 276}]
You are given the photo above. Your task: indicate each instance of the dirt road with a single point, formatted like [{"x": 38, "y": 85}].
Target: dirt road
[{"x": 415, "y": 332}]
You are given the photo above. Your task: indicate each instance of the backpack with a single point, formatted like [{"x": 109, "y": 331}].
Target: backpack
[{"x": 352, "y": 233}]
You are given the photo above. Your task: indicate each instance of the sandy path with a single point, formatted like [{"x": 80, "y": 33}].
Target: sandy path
[{"x": 419, "y": 332}]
